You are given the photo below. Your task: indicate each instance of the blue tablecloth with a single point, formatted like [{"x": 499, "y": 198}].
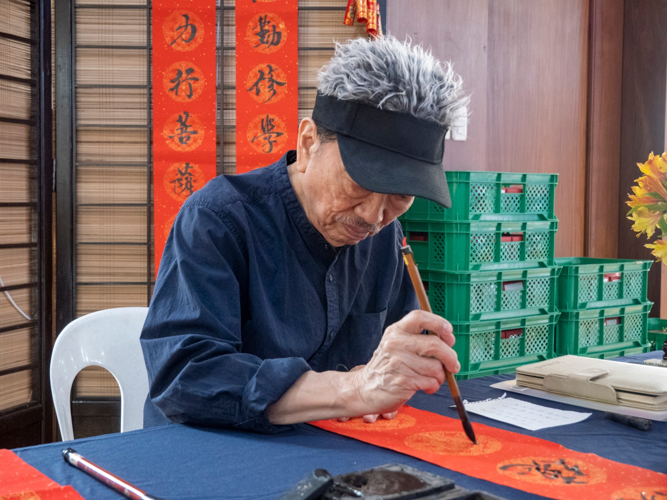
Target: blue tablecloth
[{"x": 179, "y": 462}]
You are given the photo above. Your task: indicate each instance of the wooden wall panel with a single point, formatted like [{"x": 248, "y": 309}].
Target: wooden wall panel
[
  {"x": 536, "y": 101},
  {"x": 643, "y": 117},
  {"x": 604, "y": 128},
  {"x": 525, "y": 65},
  {"x": 455, "y": 31}
]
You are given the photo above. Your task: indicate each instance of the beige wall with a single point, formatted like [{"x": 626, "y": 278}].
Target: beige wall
[{"x": 525, "y": 64}]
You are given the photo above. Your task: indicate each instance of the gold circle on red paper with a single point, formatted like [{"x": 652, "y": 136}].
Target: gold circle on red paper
[
  {"x": 400, "y": 421},
  {"x": 183, "y": 179},
  {"x": 267, "y": 134},
  {"x": 168, "y": 225},
  {"x": 640, "y": 493},
  {"x": 183, "y": 132},
  {"x": 556, "y": 471},
  {"x": 452, "y": 443},
  {"x": 183, "y": 30},
  {"x": 266, "y": 32},
  {"x": 266, "y": 83},
  {"x": 183, "y": 81}
]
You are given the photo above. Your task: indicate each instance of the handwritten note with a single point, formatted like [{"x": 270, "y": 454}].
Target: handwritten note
[{"x": 527, "y": 415}]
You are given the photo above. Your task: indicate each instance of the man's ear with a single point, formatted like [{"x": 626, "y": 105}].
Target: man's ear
[{"x": 307, "y": 143}]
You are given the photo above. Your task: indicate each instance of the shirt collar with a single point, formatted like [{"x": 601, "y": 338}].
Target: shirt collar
[{"x": 315, "y": 242}]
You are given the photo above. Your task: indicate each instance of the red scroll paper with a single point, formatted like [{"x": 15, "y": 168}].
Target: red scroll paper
[
  {"x": 267, "y": 86},
  {"x": 184, "y": 107},
  {"x": 20, "y": 481},
  {"x": 502, "y": 457}
]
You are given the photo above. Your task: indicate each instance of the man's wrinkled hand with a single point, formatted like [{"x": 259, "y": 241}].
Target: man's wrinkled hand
[{"x": 405, "y": 362}]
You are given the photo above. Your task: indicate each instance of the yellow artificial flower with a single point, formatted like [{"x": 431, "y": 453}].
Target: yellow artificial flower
[
  {"x": 659, "y": 250},
  {"x": 640, "y": 198},
  {"x": 655, "y": 175},
  {"x": 645, "y": 221}
]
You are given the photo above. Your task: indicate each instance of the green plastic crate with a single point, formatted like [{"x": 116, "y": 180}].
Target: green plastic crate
[
  {"x": 657, "y": 333},
  {"x": 481, "y": 296},
  {"x": 480, "y": 196},
  {"x": 593, "y": 332},
  {"x": 479, "y": 246},
  {"x": 582, "y": 283},
  {"x": 482, "y": 350}
]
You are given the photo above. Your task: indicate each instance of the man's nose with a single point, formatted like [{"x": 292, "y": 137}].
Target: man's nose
[{"x": 373, "y": 208}]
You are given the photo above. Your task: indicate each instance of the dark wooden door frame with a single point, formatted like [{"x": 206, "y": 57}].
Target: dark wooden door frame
[{"x": 32, "y": 423}]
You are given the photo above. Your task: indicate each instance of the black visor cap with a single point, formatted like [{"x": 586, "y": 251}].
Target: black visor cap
[{"x": 387, "y": 151}]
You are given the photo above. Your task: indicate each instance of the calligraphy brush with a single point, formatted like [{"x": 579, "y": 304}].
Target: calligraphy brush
[
  {"x": 104, "y": 476},
  {"x": 426, "y": 306}
]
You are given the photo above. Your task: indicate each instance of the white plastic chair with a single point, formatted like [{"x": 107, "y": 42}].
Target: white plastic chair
[{"x": 110, "y": 339}]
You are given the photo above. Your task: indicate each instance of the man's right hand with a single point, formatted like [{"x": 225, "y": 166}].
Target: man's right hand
[{"x": 406, "y": 362}]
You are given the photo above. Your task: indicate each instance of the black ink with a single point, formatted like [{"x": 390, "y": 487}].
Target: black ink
[
  {"x": 185, "y": 131},
  {"x": 187, "y": 26},
  {"x": 188, "y": 79},
  {"x": 270, "y": 86},
  {"x": 269, "y": 135},
  {"x": 551, "y": 470},
  {"x": 184, "y": 182},
  {"x": 265, "y": 35}
]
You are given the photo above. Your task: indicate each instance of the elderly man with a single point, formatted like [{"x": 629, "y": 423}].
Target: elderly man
[{"x": 282, "y": 296}]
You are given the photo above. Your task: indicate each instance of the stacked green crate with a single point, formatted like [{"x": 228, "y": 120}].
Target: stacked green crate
[
  {"x": 657, "y": 333},
  {"x": 488, "y": 265},
  {"x": 604, "y": 307}
]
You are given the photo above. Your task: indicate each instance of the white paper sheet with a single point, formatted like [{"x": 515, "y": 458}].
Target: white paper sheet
[
  {"x": 522, "y": 414},
  {"x": 510, "y": 385}
]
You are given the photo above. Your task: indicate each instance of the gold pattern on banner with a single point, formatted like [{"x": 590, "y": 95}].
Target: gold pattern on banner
[
  {"x": 266, "y": 33},
  {"x": 183, "y": 179},
  {"x": 553, "y": 470},
  {"x": 452, "y": 443},
  {"x": 267, "y": 133},
  {"x": 166, "y": 228},
  {"x": 400, "y": 421},
  {"x": 267, "y": 83},
  {"x": 183, "y": 132},
  {"x": 183, "y": 30},
  {"x": 183, "y": 81}
]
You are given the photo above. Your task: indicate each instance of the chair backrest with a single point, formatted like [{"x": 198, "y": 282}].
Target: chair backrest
[{"x": 110, "y": 339}]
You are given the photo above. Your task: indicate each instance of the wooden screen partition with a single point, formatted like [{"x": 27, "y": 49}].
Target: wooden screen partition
[
  {"x": 25, "y": 222},
  {"x": 104, "y": 222}
]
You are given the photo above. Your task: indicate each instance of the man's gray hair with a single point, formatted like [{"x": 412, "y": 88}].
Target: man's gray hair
[{"x": 396, "y": 76}]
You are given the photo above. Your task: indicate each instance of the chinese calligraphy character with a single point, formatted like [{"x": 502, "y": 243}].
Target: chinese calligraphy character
[
  {"x": 269, "y": 134},
  {"x": 185, "y": 28},
  {"x": 184, "y": 181},
  {"x": 188, "y": 79},
  {"x": 184, "y": 131},
  {"x": 267, "y": 36},
  {"x": 552, "y": 470},
  {"x": 270, "y": 85}
]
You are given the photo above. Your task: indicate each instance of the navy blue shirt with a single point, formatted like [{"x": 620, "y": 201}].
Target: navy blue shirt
[{"x": 250, "y": 295}]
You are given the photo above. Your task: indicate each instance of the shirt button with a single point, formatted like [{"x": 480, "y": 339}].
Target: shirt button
[{"x": 330, "y": 277}]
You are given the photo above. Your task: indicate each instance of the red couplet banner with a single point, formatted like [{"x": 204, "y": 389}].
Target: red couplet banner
[
  {"x": 267, "y": 81},
  {"x": 508, "y": 458},
  {"x": 184, "y": 107},
  {"x": 20, "y": 481}
]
